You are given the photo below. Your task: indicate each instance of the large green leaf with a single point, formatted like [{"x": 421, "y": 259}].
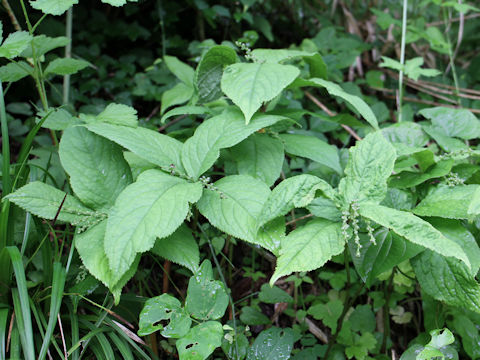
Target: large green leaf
[
  {"x": 274, "y": 343},
  {"x": 44, "y": 201},
  {"x": 312, "y": 148},
  {"x": 447, "y": 202},
  {"x": 119, "y": 114},
  {"x": 295, "y": 192},
  {"x": 360, "y": 105},
  {"x": 98, "y": 172},
  {"x": 42, "y": 44},
  {"x": 154, "y": 206},
  {"x": 15, "y": 71},
  {"x": 207, "y": 298},
  {"x": 408, "y": 133},
  {"x": 201, "y": 151},
  {"x": 407, "y": 179},
  {"x": 181, "y": 70},
  {"x": 389, "y": 251},
  {"x": 161, "y": 308},
  {"x": 177, "y": 95},
  {"x": 259, "y": 156},
  {"x": 200, "y": 341},
  {"x": 460, "y": 123},
  {"x": 235, "y": 206},
  {"x": 162, "y": 150},
  {"x": 180, "y": 248},
  {"x": 209, "y": 72},
  {"x": 90, "y": 247},
  {"x": 53, "y": 7},
  {"x": 447, "y": 279},
  {"x": 250, "y": 85},
  {"x": 309, "y": 247},
  {"x": 65, "y": 66},
  {"x": 413, "y": 229},
  {"x": 14, "y": 44},
  {"x": 369, "y": 166}
]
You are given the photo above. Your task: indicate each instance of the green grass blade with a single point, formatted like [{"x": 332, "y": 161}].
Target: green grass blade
[
  {"x": 129, "y": 340},
  {"x": 58, "y": 284},
  {"x": 121, "y": 345},
  {"x": 3, "y": 332},
  {"x": 81, "y": 342},
  {"x": 75, "y": 331},
  {"x": 22, "y": 308},
  {"x": 6, "y": 181},
  {"x": 15, "y": 344}
]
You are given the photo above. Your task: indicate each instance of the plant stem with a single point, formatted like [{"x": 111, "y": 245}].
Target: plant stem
[
  {"x": 68, "y": 54},
  {"x": 10, "y": 13},
  {"x": 402, "y": 59},
  {"x": 386, "y": 314}
]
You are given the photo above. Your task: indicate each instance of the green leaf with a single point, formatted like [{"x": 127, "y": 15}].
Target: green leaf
[
  {"x": 44, "y": 201},
  {"x": 447, "y": 143},
  {"x": 207, "y": 299},
  {"x": 177, "y": 95},
  {"x": 274, "y": 343},
  {"x": 328, "y": 313},
  {"x": 447, "y": 202},
  {"x": 180, "y": 248},
  {"x": 259, "y": 156},
  {"x": 362, "y": 344},
  {"x": 375, "y": 259},
  {"x": 312, "y": 148},
  {"x": 407, "y": 179},
  {"x": 58, "y": 119},
  {"x": 253, "y": 317},
  {"x": 90, "y": 247},
  {"x": 65, "y": 66},
  {"x": 53, "y": 7},
  {"x": 181, "y": 70},
  {"x": 360, "y": 105},
  {"x": 184, "y": 110},
  {"x": 325, "y": 208},
  {"x": 159, "y": 149},
  {"x": 235, "y": 206},
  {"x": 439, "y": 341},
  {"x": 119, "y": 114},
  {"x": 460, "y": 123},
  {"x": 273, "y": 294},
  {"x": 98, "y": 172},
  {"x": 200, "y": 341},
  {"x": 14, "y": 44},
  {"x": 209, "y": 72},
  {"x": 15, "y": 71},
  {"x": 43, "y": 44},
  {"x": 201, "y": 151},
  {"x": 407, "y": 133},
  {"x": 320, "y": 237},
  {"x": 249, "y": 85},
  {"x": 362, "y": 319},
  {"x": 369, "y": 165},
  {"x": 413, "y": 229},
  {"x": 154, "y": 206},
  {"x": 447, "y": 280},
  {"x": 161, "y": 308},
  {"x": 294, "y": 192},
  {"x": 474, "y": 206}
]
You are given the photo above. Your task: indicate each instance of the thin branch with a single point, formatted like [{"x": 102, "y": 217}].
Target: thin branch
[
  {"x": 298, "y": 219},
  {"x": 437, "y": 23},
  {"x": 433, "y": 103},
  {"x": 174, "y": 121},
  {"x": 13, "y": 18},
  {"x": 63, "y": 337}
]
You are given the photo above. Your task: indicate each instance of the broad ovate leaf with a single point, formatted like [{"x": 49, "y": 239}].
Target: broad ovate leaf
[
  {"x": 448, "y": 202},
  {"x": 181, "y": 70},
  {"x": 370, "y": 164},
  {"x": 14, "y": 44},
  {"x": 177, "y": 95},
  {"x": 180, "y": 248},
  {"x": 200, "y": 341},
  {"x": 184, "y": 110},
  {"x": 53, "y": 7},
  {"x": 413, "y": 229},
  {"x": 309, "y": 247},
  {"x": 249, "y": 85},
  {"x": 15, "y": 71},
  {"x": 65, "y": 66},
  {"x": 45, "y": 201},
  {"x": 159, "y": 149},
  {"x": 359, "y": 105},
  {"x": 312, "y": 148},
  {"x": 161, "y": 308},
  {"x": 154, "y": 206},
  {"x": 273, "y": 343},
  {"x": 119, "y": 114},
  {"x": 90, "y": 247},
  {"x": 98, "y": 172},
  {"x": 201, "y": 151},
  {"x": 259, "y": 156},
  {"x": 235, "y": 205},
  {"x": 42, "y": 44},
  {"x": 447, "y": 279},
  {"x": 295, "y": 192},
  {"x": 209, "y": 72},
  {"x": 207, "y": 298},
  {"x": 460, "y": 123}
]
